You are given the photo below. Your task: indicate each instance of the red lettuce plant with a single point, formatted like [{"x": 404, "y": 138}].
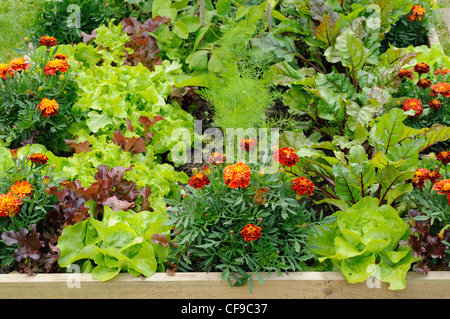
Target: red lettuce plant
[
  {"x": 145, "y": 48},
  {"x": 424, "y": 244}
]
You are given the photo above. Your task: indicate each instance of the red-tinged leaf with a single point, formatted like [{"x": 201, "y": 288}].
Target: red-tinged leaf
[
  {"x": 116, "y": 204},
  {"x": 144, "y": 120},
  {"x": 160, "y": 239},
  {"x": 76, "y": 147},
  {"x": 327, "y": 30},
  {"x": 88, "y": 37},
  {"x": 134, "y": 145},
  {"x": 129, "y": 126},
  {"x": 144, "y": 46},
  {"x": 423, "y": 244}
]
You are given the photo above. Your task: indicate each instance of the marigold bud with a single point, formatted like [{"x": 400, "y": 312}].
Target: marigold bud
[
  {"x": 46, "y": 180},
  {"x": 194, "y": 170}
]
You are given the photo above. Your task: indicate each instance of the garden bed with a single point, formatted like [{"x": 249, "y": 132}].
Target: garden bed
[{"x": 298, "y": 285}]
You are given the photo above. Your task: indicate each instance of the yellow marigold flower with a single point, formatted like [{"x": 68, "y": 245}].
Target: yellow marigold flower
[
  {"x": 6, "y": 70},
  {"x": 444, "y": 157},
  {"x": 48, "y": 107},
  {"x": 19, "y": 64},
  {"x": 38, "y": 158},
  {"x": 286, "y": 156},
  {"x": 413, "y": 104},
  {"x": 21, "y": 189},
  {"x": 237, "y": 175},
  {"x": 56, "y": 65},
  {"x": 251, "y": 232},
  {"x": 48, "y": 41},
  {"x": 9, "y": 205},
  {"x": 302, "y": 185},
  {"x": 248, "y": 143}
]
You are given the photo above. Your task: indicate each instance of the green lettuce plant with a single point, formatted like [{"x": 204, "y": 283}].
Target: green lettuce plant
[
  {"x": 111, "y": 97},
  {"x": 364, "y": 241},
  {"x": 123, "y": 241},
  {"x": 147, "y": 171}
]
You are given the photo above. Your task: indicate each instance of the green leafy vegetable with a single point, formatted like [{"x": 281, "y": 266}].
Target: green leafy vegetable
[
  {"x": 364, "y": 241},
  {"x": 122, "y": 241}
]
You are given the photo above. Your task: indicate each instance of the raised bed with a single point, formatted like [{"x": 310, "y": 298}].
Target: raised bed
[{"x": 301, "y": 285}]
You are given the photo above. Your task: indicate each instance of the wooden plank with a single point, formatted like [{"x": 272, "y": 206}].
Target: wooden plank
[{"x": 302, "y": 285}]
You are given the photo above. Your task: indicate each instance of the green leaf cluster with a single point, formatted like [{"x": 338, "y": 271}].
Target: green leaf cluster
[
  {"x": 110, "y": 96},
  {"x": 364, "y": 241},
  {"x": 147, "y": 170},
  {"x": 121, "y": 241}
]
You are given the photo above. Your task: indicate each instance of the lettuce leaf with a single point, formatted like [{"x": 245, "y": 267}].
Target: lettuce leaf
[
  {"x": 120, "y": 242},
  {"x": 365, "y": 241}
]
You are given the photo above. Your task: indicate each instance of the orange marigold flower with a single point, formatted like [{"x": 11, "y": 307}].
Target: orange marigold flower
[
  {"x": 237, "y": 175},
  {"x": 6, "y": 70},
  {"x": 444, "y": 157},
  {"x": 443, "y": 71},
  {"x": 419, "y": 11},
  {"x": 435, "y": 104},
  {"x": 56, "y": 65},
  {"x": 248, "y": 143},
  {"x": 286, "y": 156},
  {"x": 442, "y": 186},
  {"x": 9, "y": 205},
  {"x": 251, "y": 232},
  {"x": 60, "y": 56},
  {"x": 48, "y": 107},
  {"x": 259, "y": 198},
  {"x": 413, "y": 104},
  {"x": 420, "y": 177},
  {"x": 421, "y": 68},
  {"x": 412, "y": 17},
  {"x": 217, "y": 158},
  {"x": 198, "y": 180},
  {"x": 406, "y": 73},
  {"x": 21, "y": 189},
  {"x": 38, "y": 158},
  {"x": 19, "y": 64},
  {"x": 442, "y": 88},
  {"x": 302, "y": 185},
  {"x": 424, "y": 83},
  {"x": 434, "y": 176},
  {"x": 48, "y": 41}
]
